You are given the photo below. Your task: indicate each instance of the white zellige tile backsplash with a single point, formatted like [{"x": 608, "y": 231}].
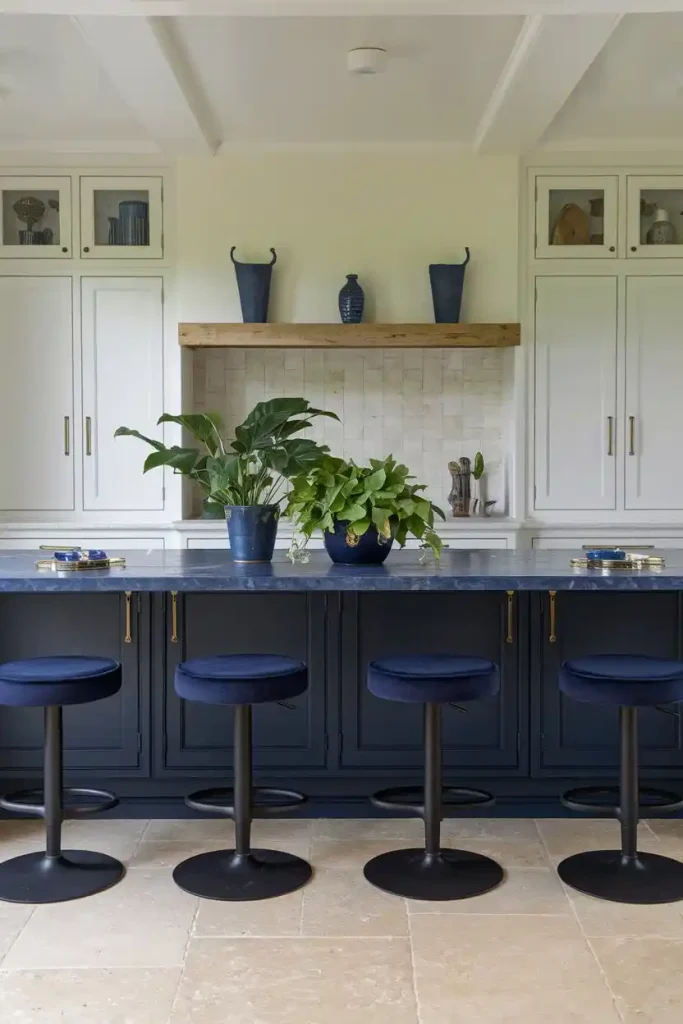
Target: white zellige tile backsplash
[{"x": 424, "y": 406}]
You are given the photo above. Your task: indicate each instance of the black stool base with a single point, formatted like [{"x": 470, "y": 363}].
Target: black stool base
[
  {"x": 607, "y": 875},
  {"x": 37, "y": 878},
  {"x": 259, "y": 875},
  {"x": 448, "y": 875}
]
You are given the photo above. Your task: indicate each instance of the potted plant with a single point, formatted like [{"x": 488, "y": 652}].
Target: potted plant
[
  {"x": 361, "y": 510},
  {"x": 246, "y": 475}
]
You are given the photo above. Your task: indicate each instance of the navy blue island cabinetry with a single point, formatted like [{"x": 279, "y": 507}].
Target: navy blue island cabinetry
[{"x": 338, "y": 743}]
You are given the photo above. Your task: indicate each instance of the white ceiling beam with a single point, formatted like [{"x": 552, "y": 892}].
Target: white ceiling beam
[
  {"x": 550, "y": 57},
  {"x": 145, "y": 62},
  {"x": 291, "y": 8}
]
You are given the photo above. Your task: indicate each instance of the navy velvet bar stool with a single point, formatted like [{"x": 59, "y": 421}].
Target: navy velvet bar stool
[
  {"x": 626, "y": 875},
  {"x": 242, "y": 873},
  {"x": 433, "y": 873},
  {"x": 55, "y": 875}
]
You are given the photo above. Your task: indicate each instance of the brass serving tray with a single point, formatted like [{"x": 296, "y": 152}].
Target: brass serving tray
[
  {"x": 632, "y": 561},
  {"x": 83, "y": 563}
]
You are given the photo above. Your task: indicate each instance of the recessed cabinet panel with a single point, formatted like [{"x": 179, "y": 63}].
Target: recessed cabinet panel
[
  {"x": 35, "y": 218},
  {"x": 655, "y": 217},
  {"x": 575, "y": 429},
  {"x": 121, "y": 218},
  {"x": 36, "y": 394},
  {"x": 576, "y": 217}
]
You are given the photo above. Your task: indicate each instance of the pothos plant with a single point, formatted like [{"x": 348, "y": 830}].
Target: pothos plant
[
  {"x": 251, "y": 468},
  {"x": 379, "y": 495}
]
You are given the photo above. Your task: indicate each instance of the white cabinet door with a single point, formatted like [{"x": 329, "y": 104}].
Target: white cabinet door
[
  {"x": 36, "y": 394},
  {"x": 576, "y": 217},
  {"x": 121, "y": 218},
  {"x": 122, "y": 344},
  {"x": 654, "y": 370},
  {"x": 575, "y": 389},
  {"x": 35, "y": 217},
  {"x": 655, "y": 206}
]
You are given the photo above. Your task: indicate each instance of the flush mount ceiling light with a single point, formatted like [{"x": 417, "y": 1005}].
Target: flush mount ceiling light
[{"x": 366, "y": 60}]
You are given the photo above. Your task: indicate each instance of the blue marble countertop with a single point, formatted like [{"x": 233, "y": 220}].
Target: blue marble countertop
[{"x": 203, "y": 570}]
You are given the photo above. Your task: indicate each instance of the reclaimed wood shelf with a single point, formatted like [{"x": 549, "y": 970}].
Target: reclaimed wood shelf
[{"x": 348, "y": 335}]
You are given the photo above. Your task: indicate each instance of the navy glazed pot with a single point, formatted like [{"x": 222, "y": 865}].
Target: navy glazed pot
[
  {"x": 252, "y": 530},
  {"x": 371, "y": 549}
]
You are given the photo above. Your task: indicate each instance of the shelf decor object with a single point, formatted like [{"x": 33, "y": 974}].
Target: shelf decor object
[
  {"x": 335, "y": 336},
  {"x": 447, "y": 280},
  {"x": 460, "y": 497},
  {"x": 662, "y": 231},
  {"x": 253, "y": 284},
  {"x": 351, "y": 301}
]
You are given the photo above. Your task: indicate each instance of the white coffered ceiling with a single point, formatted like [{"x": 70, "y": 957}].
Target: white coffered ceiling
[{"x": 175, "y": 75}]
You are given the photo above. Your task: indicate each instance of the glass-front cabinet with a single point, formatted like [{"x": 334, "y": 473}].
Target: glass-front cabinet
[
  {"x": 576, "y": 216},
  {"x": 35, "y": 217},
  {"x": 121, "y": 217},
  {"x": 655, "y": 216}
]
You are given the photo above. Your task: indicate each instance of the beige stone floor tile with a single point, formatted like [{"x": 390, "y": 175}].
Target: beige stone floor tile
[
  {"x": 461, "y": 827},
  {"x": 168, "y": 853},
  {"x": 94, "y": 996},
  {"x": 258, "y": 918},
  {"x": 507, "y": 969},
  {"x": 353, "y": 853},
  {"x": 342, "y": 902},
  {"x": 20, "y": 835},
  {"x": 368, "y": 828},
  {"x": 604, "y": 918},
  {"x": 115, "y": 836},
  {"x": 296, "y": 981},
  {"x": 646, "y": 976},
  {"x": 523, "y": 891},
  {"x": 144, "y": 921},
  {"x": 222, "y": 830},
  {"x": 13, "y": 917},
  {"x": 564, "y": 837}
]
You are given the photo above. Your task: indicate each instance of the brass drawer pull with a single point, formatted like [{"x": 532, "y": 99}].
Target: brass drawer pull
[
  {"x": 509, "y": 639},
  {"x": 552, "y": 635},
  {"x": 174, "y": 616},
  {"x": 128, "y": 638}
]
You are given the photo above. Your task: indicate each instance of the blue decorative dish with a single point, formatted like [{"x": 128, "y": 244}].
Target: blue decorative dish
[{"x": 613, "y": 554}]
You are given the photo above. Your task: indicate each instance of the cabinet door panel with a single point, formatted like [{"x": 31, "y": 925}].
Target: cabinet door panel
[
  {"x": 122, "y": 337},
  {"x": 36, "y": 394},
  {"x": 102, "y": 734},
  {"x": 199, "y": 736},
  {"x": 593, "y": 200},
  {"x": 389, "y": 734},
  {"x": 575, "y": 371},
  {"x": 654, "y": 371},
  {"x": 584, "y": 736}
]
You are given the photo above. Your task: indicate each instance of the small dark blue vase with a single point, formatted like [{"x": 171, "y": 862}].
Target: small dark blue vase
[
  {"x": 351, "y": 301},
  {"x": 252, "y": 530},
  {"x": 371, "y": 549}
]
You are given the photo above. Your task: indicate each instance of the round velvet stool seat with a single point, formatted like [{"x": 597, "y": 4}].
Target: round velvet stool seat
[
  {"x": 626, "y": 875},
  {"x": 242, "y": 680},
  {"x": 55, "y": 875},
  {"x": 432, "y": 873}
]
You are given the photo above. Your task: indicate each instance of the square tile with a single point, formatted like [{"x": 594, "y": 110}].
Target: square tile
[
  {"x": 354, "y": 853},
  {"x": 342, "y": 902},
  {"x": 252, "y": 918},
  {"x": 13, "y": 917},
  {"x": 646, "y": 976},
  {"x": 368, "y": 828},
  {"x": 602, "y": 917},
  {"x": 564, "y": 837},
  {"x": 115, "y": 836},
  {"x": 522, "y": 891},
  {"x": 264, "y": 832},
  {"x": 296, "y": 981}
]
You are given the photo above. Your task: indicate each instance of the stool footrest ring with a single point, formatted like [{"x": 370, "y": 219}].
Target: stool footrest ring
[
  {"x": 276, "y": 801},
  {"x": 411, "y": 799},
  {"x": 604, "y": 801},
  {"x": 30, "y": 801}
]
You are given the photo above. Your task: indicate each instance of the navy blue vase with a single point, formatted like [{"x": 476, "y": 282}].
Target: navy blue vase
[
  {"x": 252, "y": 530},
  {"x": 371, "y": 549},
  {"x": 351, "y": 301},
  {"x": 253, "y": 284},
  {"x": 447, "y": 280}
]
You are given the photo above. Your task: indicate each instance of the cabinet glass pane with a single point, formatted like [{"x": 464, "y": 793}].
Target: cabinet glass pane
[
  {"x": 30, "y": 217},
  {"x": 661, "y": 216},
  {"x": 576, "y": 216},
  {"x": 121, "y": 216}
]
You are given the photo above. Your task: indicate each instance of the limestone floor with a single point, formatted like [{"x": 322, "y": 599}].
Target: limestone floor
[{"x": 339, "y": 952}]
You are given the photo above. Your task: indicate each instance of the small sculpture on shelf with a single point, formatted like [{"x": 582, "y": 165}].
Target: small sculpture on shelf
[
  {"x": 29, "y": 210},
  {"x": 253, "y": 284},
  {"x": 460, "y": 497},
  {"x": 351, "y": 301},
  {"x": 661, "y": 231}
]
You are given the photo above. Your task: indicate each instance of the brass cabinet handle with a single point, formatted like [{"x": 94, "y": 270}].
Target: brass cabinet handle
[
  {"x": 88, "y": 435},
  {"x": 174, "y": 616},
  {"x": 632, "y": 435},
  {"x": 610, "y": 435},
  {"x": 67, "y": 435},
  {"x": 128, "y": 638},
  {"x": 552, "y": 635},
  {"x": 509, "y": 639}
]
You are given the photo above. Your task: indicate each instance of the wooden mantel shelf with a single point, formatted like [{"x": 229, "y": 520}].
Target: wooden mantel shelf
[{"x": 348, "y": 335}]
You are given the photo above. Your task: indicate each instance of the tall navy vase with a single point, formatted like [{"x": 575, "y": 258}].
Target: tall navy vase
[
  {"x": 447, "y": 281},
  {"x": 351, "y": 301},
  {"x": 253, "y": 284}
]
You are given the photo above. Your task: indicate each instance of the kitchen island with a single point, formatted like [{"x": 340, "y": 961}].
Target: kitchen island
[{"x": 526, "y": 611}]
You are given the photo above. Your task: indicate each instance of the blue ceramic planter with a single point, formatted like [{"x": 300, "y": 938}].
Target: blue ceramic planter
[
  {"x": 371, "y": 549},
  {"x": 252, "y": 530}
]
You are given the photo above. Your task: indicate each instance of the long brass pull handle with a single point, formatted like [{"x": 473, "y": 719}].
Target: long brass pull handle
[
  {"x": 632, "y": 435},
  {"x": 509, "y": 639},
  {"x": 67, "y": 435},
  {"x": 610, "y": 435},
  {"x": 552, "y": 635},
  {"x": 128, "y": 638},
  {"x": 174, "y": 616},
  {"x": 88, "y": 435}
]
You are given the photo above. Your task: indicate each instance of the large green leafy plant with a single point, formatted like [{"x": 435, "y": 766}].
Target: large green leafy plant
[
  {"x": 378, "y": 495},
  {"x": 250, "y": 469}
]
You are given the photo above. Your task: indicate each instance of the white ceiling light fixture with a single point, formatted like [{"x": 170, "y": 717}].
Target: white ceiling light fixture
[{"x": 366, "y": 60}]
